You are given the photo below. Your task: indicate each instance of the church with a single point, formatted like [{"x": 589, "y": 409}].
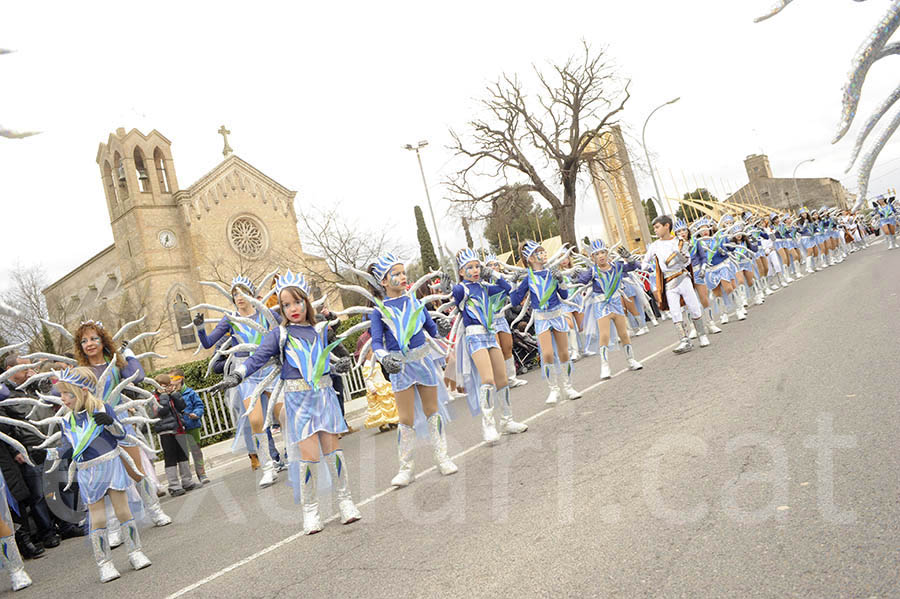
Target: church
[{"x": 233, "y": 220}]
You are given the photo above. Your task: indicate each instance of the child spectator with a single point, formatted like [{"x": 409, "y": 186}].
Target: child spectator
[
  {"x": 193, "y": 421},
  {"x": 170, "y": 424}
]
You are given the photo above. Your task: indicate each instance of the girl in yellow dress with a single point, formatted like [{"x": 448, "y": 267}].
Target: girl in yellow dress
[{"x": 382, "y": 409}]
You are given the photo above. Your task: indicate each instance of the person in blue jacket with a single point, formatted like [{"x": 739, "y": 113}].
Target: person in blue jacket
[
  {"x": 480, "y": 296},
  {"x": 313, "y": 416},
  {"x": 545, "y": 290},
  {"x": 92, "y": 436},
  {"x": 192, "y": 416}
]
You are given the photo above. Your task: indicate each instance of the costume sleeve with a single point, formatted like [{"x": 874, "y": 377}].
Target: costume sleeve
[
  {"x": 500, "y": 286},
  {"x": 630, "y": 266},
  {"x": 132, "y": 366},
  {"x": 276, "y": 314},
  {"x": 459, "y": 293},
  {"x": 222, "y": 328},
  {"x": 377, "y": 329},
  {"x": 518, "y": 294},
  {"x": 115, "y": 429},
  {"x": 648, "y": 258},
  {"x": 4, "y": 392},
  {"x": 267, "y": 349},
  {"x": 64, "y": 451},
  {"x": 430, "y": 326},
  {"x": 584, "y": 276}
]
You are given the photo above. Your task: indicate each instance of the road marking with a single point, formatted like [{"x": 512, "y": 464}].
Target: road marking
[{"x": 378, "y": 495}]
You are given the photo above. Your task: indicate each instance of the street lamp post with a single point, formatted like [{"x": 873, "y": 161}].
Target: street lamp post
[
  {"x": 647, "y": 153},
  {"x": 794, "y": 177},
  {"x": 437, "y": 234}
]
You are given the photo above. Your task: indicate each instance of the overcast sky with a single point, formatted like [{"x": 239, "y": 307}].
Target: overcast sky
[{"x": 322, "y": 96}]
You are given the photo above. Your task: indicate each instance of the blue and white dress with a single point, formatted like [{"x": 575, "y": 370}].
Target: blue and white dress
[
  {"x": 399, "y": 328},
  {"x": 480, "y": 308},
  {"x": 94, "y": 450},
  {"x": 236, "y": 333},
  {"x": 546, "y": 295},
  {"x": 887, "y": 214},
  {"x": 807, "y": 232},
  {"x": 116, "y": 376},
  {"x": 605, "y": 298},
  {"x": 719, "y": 266}
]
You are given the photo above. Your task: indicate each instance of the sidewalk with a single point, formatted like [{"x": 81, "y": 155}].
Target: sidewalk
[{"x": 219, "y": 454}]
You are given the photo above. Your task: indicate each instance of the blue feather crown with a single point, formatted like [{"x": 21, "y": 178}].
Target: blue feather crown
[
  {"x": 244, "y": 282},
  {"x": 384, "y": 263},
  {"x": 531, "y": 246},
  {"x": 290, "y": 279},
  {"x": 597, "y": 245},
  {"x": 465, "y": 256},
  {"x": 73, "y": 377}
]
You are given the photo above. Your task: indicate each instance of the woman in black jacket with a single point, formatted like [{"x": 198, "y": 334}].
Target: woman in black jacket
[{"x": 168, "y": 428}]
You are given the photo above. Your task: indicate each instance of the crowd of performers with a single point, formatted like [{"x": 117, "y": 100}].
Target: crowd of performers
[{"x": 281, "y": 362}]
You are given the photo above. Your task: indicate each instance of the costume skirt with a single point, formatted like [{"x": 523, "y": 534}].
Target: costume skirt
[
  {"x": 465, "y": 366},
  {"x": 725, "y": 271},
  {"x": 501, "y": 325},
  {"x": 598, "y": 308},
  {"x": 94, "y": 481},
  {"x": 425, "y": 372},
  {"x": 545, "y": 320},
  {"x": 243, "y": 433},
  {"x": 892, "y": 221},
  {"x": 808, "y": 242}
]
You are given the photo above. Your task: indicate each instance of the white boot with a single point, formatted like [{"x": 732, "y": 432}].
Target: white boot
[
  {"x": 701, "y": 331},
  {"x": 710, "y": 323},
  {"x": 759, "y": 299},
  {"x": 113, "y": 529},
  {"x": 741, "y": 314},
  {"x": 488, "y": 426},
  {"x": 604, "y": 363},
  {"x": 511, "y": 374},
  {"x": 11, "y": 560},
  {"x": 684, "y": 345},
  {"x": 550, "y": 374},
  {"x": 136, "y": 556},
  {"x": 439, "y": 445},
  {"x": 269, "y": 476},
  {"x": 629, "y": 356},
  {"x": 641, "y": 331},
  {"x": 508, "y": 426},
  {"x": 309, "y": 497},
  {"x": 340, "y": 484},
  {"x": 572, "y": 335},
  {"x": 565, "y": 375},
  {"x": 102, "y": 554},
  {"x": 692, "y": 332},
  {"x": 151, "y": 503},
  {"x": 406, "y": 443}
]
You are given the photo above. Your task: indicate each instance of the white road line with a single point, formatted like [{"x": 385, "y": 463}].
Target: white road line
[{"x": 378, "y": 495}]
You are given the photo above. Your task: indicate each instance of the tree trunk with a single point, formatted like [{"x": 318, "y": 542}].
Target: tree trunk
[{"x": 565, "y": 218}]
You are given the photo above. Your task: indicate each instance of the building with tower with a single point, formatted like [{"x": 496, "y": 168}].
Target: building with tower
[{"x": 233, "y": 220}]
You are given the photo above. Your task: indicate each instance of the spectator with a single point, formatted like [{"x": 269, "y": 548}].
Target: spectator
[
  {"x": 170, "y": 424},
  {"x": 193, "y": 421}
]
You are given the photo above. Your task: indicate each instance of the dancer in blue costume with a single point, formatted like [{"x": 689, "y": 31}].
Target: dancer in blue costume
[
  {"x": 403, "y": 341},
  {"x": 314, "y": 418},
  {"x": 92, "y": 436},
  {"x": 887, "y": 220},
  {"x": 721, "y": 272},
  {"x": 545, "y": 291},
  {"x": 605, "y": 305},
  {"x": 807, "y": 230},
  {"x": 691, "y": 236},
  {"x": 504, "y": 334},
  {"x": 480, "y": 300},
  {"x": 243, "y": 331}
]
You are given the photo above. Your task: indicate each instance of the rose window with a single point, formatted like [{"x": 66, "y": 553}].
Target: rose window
[{"x": 246, "y": 237}]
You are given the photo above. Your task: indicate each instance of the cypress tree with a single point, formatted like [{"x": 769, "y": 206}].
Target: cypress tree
[{"x": 429, "y": 259}]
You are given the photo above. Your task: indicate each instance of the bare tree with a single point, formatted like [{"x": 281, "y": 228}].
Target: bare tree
[
  {"x": 540, "y": 143},
  {"x": 25, "y": 295}
]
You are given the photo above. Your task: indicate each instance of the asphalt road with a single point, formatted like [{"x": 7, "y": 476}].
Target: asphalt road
[{"x": 763, "y": 466}]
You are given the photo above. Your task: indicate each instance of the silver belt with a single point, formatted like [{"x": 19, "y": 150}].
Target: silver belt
[
  {"x": 548, "y": 314},
  {"x": 477, "y": 329},
  {"x": 106, "y": 457},
  {"x": 414, "y": 355},
  {"x": 722, "y": 265},
  {"x": 300, "y": 385}
]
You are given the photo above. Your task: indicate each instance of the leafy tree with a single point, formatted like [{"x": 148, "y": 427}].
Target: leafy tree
[
  {"x": 650, "y": 210},
  {"x": 691, "y": 214},
  {"x": 525, "y": 218},
  {"x": 46, "y": 340},
  {"x": 429, "y": 259}
]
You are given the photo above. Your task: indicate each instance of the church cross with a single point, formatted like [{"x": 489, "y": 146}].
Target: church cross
[{"x": 225, "y": 133}]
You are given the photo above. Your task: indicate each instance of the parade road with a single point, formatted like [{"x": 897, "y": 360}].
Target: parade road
[{"x": 765, "y": 465}]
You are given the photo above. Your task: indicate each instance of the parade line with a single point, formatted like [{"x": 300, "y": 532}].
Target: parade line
[{"x": 380, "y": 494}]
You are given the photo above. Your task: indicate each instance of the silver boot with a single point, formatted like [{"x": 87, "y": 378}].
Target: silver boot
[
  {"x": 710, "y": 324},
  {"x": 151, "y": 503},
  {"x": 114, "y": 531},
  {"x": 102, "y": 551},
  {"x": 136, "y": 556},
  {"x": 508, "y": 426},
  {"x": 11, "y": 560},
  {"x": 604, "y": 363},
  {"x": 684, "y": 345},
  {"x": 566, "y": 382},
  {"x": 700, "y": 326},
  {"x": 439, "y": 445},
  {"x": 629, "y": 356},
  {"x": 488, "y": 426},
  {"x": 511, "y": 374},
  {"x": 550, "y": 375},
  {"x": 340, "y": 482},
  {"x": 406, "y": 444},
  {"x": 269, "y": 476},
  {"x": 309, "y": 497}
]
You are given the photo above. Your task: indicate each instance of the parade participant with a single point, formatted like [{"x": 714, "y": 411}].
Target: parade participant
[
  {"x": 10, "y": 558},
  {"x": 401, "y": 329},
  {"x": 775, "y": 266},
  {"x": 314, "y": 419},
  {"x": 574, "y": 314},
  {"x": 545, "y": 291},
  {"x": 807, "y": 229},
  {"x": 605, "y": 305},
  {"x": 95, "y": 349},
  {"x": 480, "y": 301},
  {"x": 246, "y": 328},
  {"x": 698, "y": 259},
  {"x": 504, "y": 335},
  {"x": 381, "y": 410},
  {"x": 887, "y": 221},
  {"x": 92, "y": 436},
  {"x": 746, "y": 250},
  {"x": 721, "y": 272},
  {"x": 674, "y": 284}
]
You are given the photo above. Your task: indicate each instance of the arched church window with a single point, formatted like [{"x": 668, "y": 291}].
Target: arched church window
[
  {"x": 247, "y": 237},
  {"x": 141, "y": 170},
  {"x": 119, "y": 174},
  {"x": 187, "y": 336},
  {"x": 109, "y": 185},
  {"x": 159, "y": 161}
]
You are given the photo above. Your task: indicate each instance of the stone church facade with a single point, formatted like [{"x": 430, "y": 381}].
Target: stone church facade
[{"x": 233, "y": 220}]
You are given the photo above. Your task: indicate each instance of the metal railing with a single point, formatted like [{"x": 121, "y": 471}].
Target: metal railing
[{"x": 218, "y": 419}]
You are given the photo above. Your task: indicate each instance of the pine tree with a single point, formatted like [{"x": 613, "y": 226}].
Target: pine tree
[
  {"x": 465, "y": 226},
  {"x": 46, "y": 341},
  {"x": 429, "y": 260}
]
